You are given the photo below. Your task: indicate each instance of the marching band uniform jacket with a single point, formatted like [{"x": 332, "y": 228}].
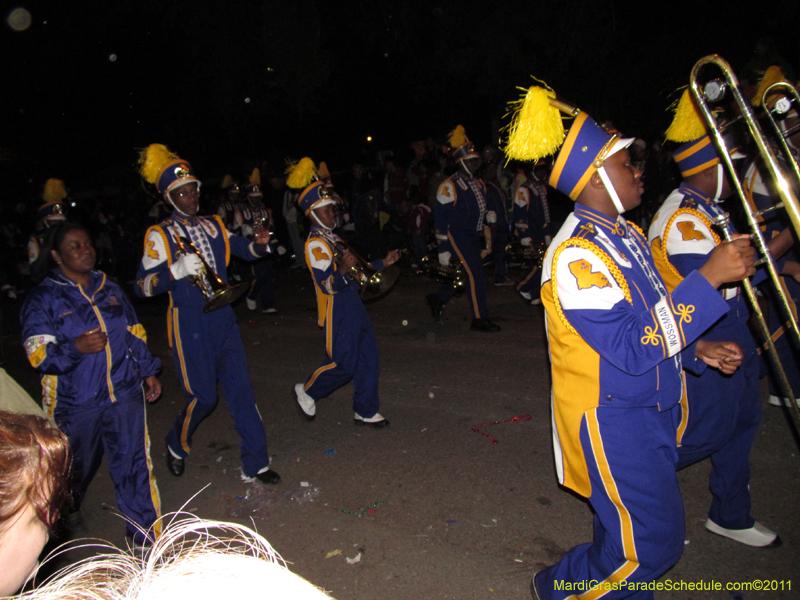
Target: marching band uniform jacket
[
  {"x": 96, "y": 399},
  {"x": 205, "y": 346},
  {"x": 532, "y": 212},
  {"x": 350, "y": 345}
]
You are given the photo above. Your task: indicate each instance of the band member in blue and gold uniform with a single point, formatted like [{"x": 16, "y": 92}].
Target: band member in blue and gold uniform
[
  {"x": 616, "y": 338},
  {"x": 722, "y": 412},
  {"x": 459, "y": 218},
  {"x": 206, "y": 347},
  {"x": 532, "y": 223},
  {"x": 82, "y": 336},
  {"x": 350, "y": 345}
]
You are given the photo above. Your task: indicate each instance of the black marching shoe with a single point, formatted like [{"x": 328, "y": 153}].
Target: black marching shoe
[
  {"x": 269, "y": 477},
  {"x": 174, "y": 464},
  {"x": 436, "y": 307},
  {"x": 484, "y": 325}
]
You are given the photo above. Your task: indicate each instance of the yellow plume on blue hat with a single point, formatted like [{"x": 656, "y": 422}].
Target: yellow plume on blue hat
[
  {"x": 772, "y": 75},
  {"x": 152, "y": 159},
  {"x": 301, "y": 173},
  {"x": 457, "y": 137},
  {"x": 687, "y": 125},
  {"x": 536, "y": 129},
  {"x": 255, "y": 177},
  {"x": 227, "y": 181},
  {"x": 54, "y": 191}
]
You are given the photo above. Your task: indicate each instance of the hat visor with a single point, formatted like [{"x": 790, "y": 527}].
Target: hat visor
[{"x": 620, "y": 144}]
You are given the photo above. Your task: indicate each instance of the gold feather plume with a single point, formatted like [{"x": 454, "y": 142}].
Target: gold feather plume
[
  {"x": 772, "y": 75},
  {"x": 457, "y": 137},
  {"x": 687, "y": 125},
  {"x": 152, "y": 159},
  {"x": 536, "y": 129},
  {"x": 54, "y": 191},
  {"x": 323, "y": 171},
  {"x": 227, "y": 181},
  {"x": 255, "y": 177},
  {"x": 301, "y": 173}
]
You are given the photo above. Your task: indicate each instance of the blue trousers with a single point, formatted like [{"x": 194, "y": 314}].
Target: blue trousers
[
  {"x": 118, "y": 430},
  {"x": 724, "y": 412},
  {"x": 467, "y": 247},
  {"x": 264, "y": 283},
  {"x": 207, "y": 348},
  {"x": 499, "y": 241},
  {"x": 352, "y": 353},
  {"x": 639, "y": 520}
]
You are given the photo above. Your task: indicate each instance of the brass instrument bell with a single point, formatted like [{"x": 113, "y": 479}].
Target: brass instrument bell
[{"x": 217, "y": 293}]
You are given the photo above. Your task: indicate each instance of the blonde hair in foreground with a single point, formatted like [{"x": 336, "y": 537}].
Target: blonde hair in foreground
[{"x": 193, "y": 558}]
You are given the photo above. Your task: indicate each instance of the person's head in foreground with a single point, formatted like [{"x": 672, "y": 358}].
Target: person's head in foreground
[
  {"x": 34, "y": 463},
  {"x": 194, "y": 559}
]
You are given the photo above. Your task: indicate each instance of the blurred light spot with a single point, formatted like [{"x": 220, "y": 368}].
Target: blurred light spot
[
  {"x": 430, "y": 394},
  {"x": 405, "y": 322},
  {"x": 369, "y": 138},
  {"x": 112, "y": 57},
  {"x": 19, "y": 19},
  {"x": 247, "y": 100}
]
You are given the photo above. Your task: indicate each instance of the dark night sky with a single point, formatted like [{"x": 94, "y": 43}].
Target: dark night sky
[{"x": 321, "y": 76}]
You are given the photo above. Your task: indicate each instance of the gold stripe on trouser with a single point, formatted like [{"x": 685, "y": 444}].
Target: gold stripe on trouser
[
  {"x": 187, "y": 385},
  {"x": 328, "y": 345},
  {"x": 49, "y": 394},
  {"x": 154, "y": 494},
  {"x": 684, "y": 412},
  {"x": 528, "y": 278},
  {"x": 469, "y": 274},
  {"x": 626, "y": 523},
  {"x": 185, "y": 428}
]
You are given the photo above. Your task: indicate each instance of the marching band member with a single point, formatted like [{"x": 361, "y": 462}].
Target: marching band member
[
  {"x": 230, "y": 201},
  {"x": 615, "y": 338},
  {"x": 761, "y": 196},
  {"x": 206, "y": 347},
  {"x": 253, "y": 213},
  {"x": 350, "y": 344},
  {"x": 532, "y": 224},
  {"x": 459, "y": 219},
  {"x": 723, "y": 410}
]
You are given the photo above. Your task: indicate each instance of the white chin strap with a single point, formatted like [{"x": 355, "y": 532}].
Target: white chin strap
[
  {"x": 314, "y": 216},
  {"x": 610, "y": 189},
  {"x": 466, "y": 168},
  {"x": 720, "y": 181}
]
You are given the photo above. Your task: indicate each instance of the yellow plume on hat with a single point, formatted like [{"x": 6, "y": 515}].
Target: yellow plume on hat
[
  {"x": 152, "y": 159},
  {"x": 227, "y": 181},
  {"x": 54, "y": 191},
  {"x": 536, "y": 127},
  {"x": 301, "y": 173},
  {"x": 323, "y": 171},
  {"x": 255, "y": 177},
  {"x": 457, "y": 137},
  {"x": 687, "y": 125},
  {"x": 772, "y": 75}
]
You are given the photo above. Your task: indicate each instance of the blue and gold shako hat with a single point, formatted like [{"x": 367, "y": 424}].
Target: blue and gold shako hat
[
  {"x": 584, "y": 150},
  {"x": 164, "y": 169},
  {"x": 303, "y": 175},
  {"x": 53, "y": 194},
  {"x": 460, "y": 145},
  {"x": 254, "y": 187}
]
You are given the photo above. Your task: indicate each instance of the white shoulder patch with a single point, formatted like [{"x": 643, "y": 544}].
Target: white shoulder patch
[
  {"x": 584, "y": 281},
  {"x": 154, "y": 251},
  {"x": 319, "y": 254},
  {"x": 689, "y": 235},
  {"x": 446, "y": 193}
]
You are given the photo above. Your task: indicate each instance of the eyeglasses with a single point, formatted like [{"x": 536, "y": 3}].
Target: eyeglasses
[{"x": 185, "y": 193}]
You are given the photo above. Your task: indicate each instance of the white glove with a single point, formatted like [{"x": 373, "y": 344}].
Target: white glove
[
  {"x": 444, "y": 258},
  {"x": 526, "y": 241},
  {"x": 491, "y": 217},
  {"x": 281, "y": 250},
  {"x": 247, "y": 231},
  {"x": 187, "y": 264}
]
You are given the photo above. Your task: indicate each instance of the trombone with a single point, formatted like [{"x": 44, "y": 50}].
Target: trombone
[
  {"x": 782, "y": 107},
  {"x": 714, "y": 91}
]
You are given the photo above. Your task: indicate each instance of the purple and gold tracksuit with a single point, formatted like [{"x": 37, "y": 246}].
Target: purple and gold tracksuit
[
  {"x": 532, "y": 219},
  {"x": 96, "y": 399},
  {"x": 459, "y": 218},
  {"x": 616, "y": 338},
  {"x": 206, "y": 347},
  {"x": 350, "y": 343},
  {"x": 722, "y": 412}
]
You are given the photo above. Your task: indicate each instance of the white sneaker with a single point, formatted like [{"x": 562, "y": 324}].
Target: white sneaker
[
  {"x": 305, "y": 403},
  {"x": 757, "y": 535},
  {"x": 377, "y": 421},
  {"x": 525, "y": 295},
  {"x": 251, "y": 304},
  {"x": 778, "y": 401},
  {"x": 269, "y": 311}
]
